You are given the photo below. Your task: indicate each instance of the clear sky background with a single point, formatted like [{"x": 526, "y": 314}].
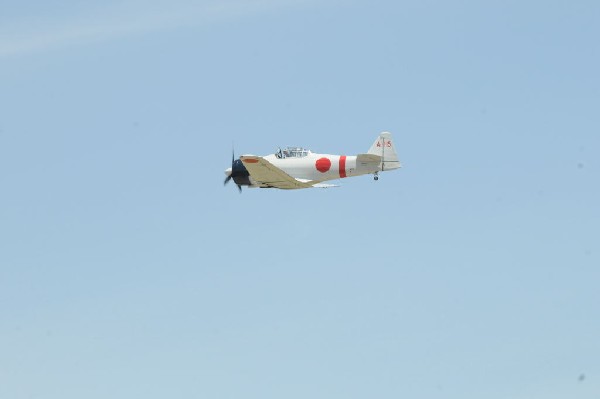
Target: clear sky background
[{"x": 127, "y": 270}]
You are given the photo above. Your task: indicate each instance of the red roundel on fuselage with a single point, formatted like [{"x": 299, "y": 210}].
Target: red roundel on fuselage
[{"x": 323, "y": 165}]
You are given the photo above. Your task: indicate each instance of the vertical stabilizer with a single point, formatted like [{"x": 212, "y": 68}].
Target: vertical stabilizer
[{"x": 384, "y": 147}]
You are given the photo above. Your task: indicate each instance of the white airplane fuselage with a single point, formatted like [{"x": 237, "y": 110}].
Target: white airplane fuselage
[{"x": 321, "y": 167}]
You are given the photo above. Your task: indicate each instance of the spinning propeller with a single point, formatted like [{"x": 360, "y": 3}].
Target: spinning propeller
[{"x": 231, "y": 172}]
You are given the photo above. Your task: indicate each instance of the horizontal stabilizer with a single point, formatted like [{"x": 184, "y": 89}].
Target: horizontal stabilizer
[{"x": 365, "y": 159}]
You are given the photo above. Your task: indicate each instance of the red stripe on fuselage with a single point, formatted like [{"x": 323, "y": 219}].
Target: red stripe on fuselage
[{"x": 342, "y": 166}]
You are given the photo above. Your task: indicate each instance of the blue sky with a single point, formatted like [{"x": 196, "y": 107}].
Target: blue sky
[{"x": 128, "y": 270}]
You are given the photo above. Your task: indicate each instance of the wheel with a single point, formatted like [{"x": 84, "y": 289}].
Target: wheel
[{"x": 376, "y": 177}]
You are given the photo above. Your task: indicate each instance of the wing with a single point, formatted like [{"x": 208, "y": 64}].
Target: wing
[
  {"x": 322, "y": 185},
  {"x": 317, "y": 185},
  {"x": 266, "y": 174}
]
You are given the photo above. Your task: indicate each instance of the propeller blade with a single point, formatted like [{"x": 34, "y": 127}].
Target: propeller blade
[{"x": 229, "y": 172}]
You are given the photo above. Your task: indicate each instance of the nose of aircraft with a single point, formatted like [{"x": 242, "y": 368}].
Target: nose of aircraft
[{"x": 238, "y": 173}]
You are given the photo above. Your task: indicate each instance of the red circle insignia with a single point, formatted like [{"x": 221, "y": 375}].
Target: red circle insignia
[{"x": 323, "y": 165}]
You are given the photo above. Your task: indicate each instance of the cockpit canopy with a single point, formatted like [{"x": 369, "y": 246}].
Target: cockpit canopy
[{"x": 292, "y": 152}]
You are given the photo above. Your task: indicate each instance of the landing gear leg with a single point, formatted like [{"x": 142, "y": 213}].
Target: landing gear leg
[{"x": 376, "y": 176}]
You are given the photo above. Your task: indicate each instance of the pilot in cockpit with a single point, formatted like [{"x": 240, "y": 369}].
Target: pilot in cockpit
[{"x": 279, "y": 154}]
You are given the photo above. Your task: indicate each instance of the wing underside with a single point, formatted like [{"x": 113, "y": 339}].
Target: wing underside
[{"x": 266, "y": 174}]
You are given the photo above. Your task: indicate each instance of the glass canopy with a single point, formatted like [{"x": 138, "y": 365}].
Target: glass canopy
[{"x": 292, "y": 152}]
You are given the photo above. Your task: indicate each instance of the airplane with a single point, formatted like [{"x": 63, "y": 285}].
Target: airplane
[{"x": 297, "y": 167}]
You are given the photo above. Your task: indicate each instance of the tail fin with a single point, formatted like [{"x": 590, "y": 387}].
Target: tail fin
[{"x": 384, "y": 147}]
